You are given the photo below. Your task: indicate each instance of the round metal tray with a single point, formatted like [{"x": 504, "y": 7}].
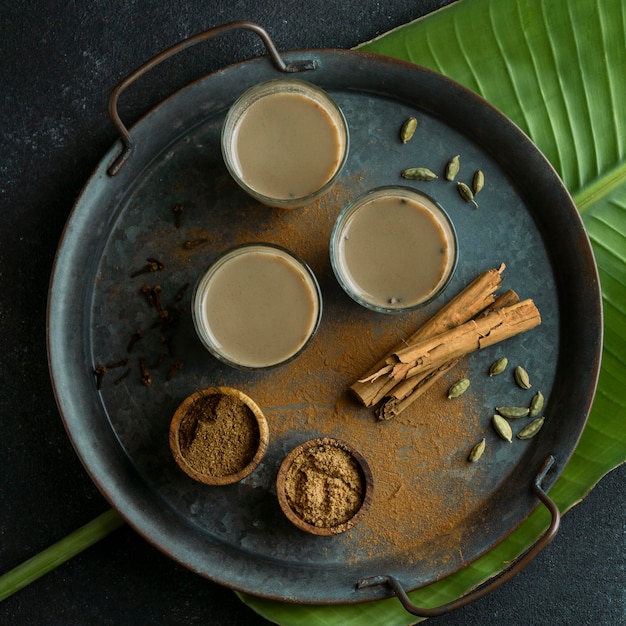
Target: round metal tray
[{"x": 237, "y": 534}]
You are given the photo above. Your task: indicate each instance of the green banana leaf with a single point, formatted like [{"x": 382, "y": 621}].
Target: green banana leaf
[{"x": 556, "y": 68}]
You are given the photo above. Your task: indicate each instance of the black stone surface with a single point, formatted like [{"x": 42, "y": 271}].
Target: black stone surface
[{"x": 58, "y": 64}]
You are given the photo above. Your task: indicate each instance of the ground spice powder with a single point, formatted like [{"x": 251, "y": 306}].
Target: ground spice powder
[
  {"x": 324, "y": 486},
  {"x": 219, "y": 435}
]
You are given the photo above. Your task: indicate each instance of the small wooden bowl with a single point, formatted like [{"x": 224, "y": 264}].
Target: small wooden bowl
[
  {"x": 186, "y": 418},
  {"x": 294, "y": 517}
]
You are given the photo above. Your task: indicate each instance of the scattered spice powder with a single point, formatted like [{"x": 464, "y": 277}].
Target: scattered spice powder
[
  {"x": 425, "y": 488},
  {"x": 219, "y": 435},
  {"x": 324, "y": 486}
]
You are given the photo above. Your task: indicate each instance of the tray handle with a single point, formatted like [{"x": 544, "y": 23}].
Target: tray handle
[
  {"x": 494, "y": 583},
  {"x": 295, "y": 66}
]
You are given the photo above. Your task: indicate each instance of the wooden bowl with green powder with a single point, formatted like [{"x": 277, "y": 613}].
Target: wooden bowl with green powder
[
  {"x": 324, "y": 486},
  {"x": 218, "y": 435}
]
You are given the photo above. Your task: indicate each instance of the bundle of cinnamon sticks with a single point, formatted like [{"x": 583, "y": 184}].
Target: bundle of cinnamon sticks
[{"x": 472, "y": 320}]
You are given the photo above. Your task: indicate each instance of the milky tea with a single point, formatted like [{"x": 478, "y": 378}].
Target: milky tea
[
  {"x": 257, "y": 306},
  {"x": 393, "y": 249},
  {"x": 285, "y": 142}
]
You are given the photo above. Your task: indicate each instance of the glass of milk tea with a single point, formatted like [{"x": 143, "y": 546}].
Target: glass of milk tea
[
  {"x": 393, "y": 249},
  {"x": 257, "y": 306},
  {"x": 285, "y": 141}
]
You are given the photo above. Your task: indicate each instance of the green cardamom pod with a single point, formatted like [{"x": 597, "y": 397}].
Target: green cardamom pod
[
  {"x": 453, "y": 167},
  {"x": 459, "y": 388},
  {"x": 497, "y": 367},
  {"x": 536, "y": 404},
  {"x": 419, "y": 173},
  {"x": 521, "y": 377},
  {"x": 529, "y": 431},
  {"x": 513, "y": 412},
  {"x": 478, "y": 182},
  {"x": 408, "y": 129},
  {"x": 477, "y": 451},
  {"x": 502, "y": 427},
  {"x": 466, "y": 193}
]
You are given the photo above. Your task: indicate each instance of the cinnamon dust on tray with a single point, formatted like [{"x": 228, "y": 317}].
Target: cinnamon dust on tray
[
  {"x": 424, "y": 487},
  {"x": 415, "y": 459}
]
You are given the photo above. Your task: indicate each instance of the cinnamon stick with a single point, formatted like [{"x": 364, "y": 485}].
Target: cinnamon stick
[
  {"x": 408, "y": 391},
  {"x": 508, "y": 298},
  {"x": 474, "y": 335},
  {"x": 473, "y": 299}
]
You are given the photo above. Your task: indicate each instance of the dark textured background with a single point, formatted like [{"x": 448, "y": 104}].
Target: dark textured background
[{"x": 58, "y": 63}]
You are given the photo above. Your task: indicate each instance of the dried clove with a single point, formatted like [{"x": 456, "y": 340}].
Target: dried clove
[
  {"x": 152, "y": 265},
  {"x": 168, "y": 318},
  {"x": 163, "y": 321},
  {"x": 133, "y": 340},
  {"x": 178, "y": 365},
  {"x": 181, "y": 292},
  {"x": 156, "y": 293},
  {"x": 117, "y": 381},
  {"x": 159, "y": 266},
  {"x": 166, "y": 344},
  {"x": 190, "y": 244},
  {"x": 100, "y": 371},
  {"x": 146, "y": 379},
  {"x": 147, "y": 291}
]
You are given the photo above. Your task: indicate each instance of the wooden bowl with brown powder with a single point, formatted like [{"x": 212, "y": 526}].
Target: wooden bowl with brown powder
[
  {"x": 218, "y": 435},
  {"x": 324, "y": 486}
]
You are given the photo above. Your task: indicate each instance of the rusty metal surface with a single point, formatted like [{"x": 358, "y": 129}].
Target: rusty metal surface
[{"x": 237, "y": 535}]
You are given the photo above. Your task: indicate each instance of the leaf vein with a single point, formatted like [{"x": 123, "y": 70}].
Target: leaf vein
[{"x": 509, "y": 70}]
